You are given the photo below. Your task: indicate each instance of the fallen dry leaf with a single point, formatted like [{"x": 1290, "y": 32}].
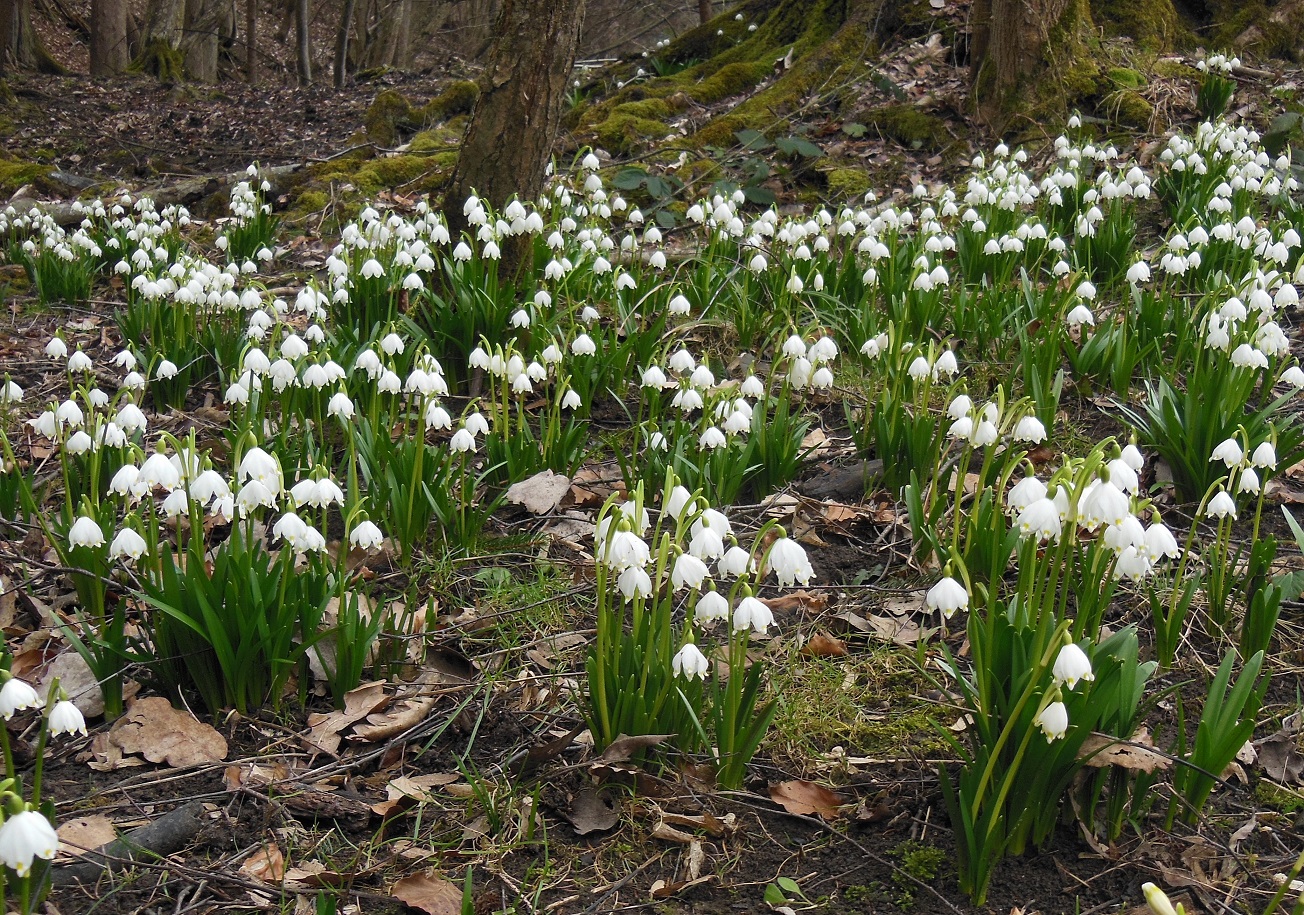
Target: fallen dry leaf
[
  {"x": 805, "y": 798},
  {"x": 592, "y": 810},
  {"x": 1279, "y": 754},
  {"x": 152, "y": 728},
  {"x": 267, "y": 865},
  {"x": 358, "y": 704},
  {"x": 798, "y": 600},
  {"x": 541, "y": 493},
  {"x": 1100, "y": 751},
  {"x": 821, "y": 645},
  {"x": 85, "y": 833},
  {"x": 409, "y": 790},
  {"x": 625, "y": 747},
  {"x": 433, "y": 895},
  {"x": 398, "y": 718}
]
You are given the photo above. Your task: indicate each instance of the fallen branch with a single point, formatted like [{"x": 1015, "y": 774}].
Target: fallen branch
[
  {"x": 184, "y": 192},
  {"x": 164, "y": 836}
]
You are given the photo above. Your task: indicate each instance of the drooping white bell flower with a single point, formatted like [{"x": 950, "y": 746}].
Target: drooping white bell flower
[{"x": 1072, "y": 665}]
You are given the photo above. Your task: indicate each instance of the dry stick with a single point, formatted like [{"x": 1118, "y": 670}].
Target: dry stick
[
  {"x": 740, "y": 797},
  {"x": 155, "y": 840}
]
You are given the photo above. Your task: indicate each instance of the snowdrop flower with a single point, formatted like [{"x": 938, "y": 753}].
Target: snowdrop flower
[
  {"x": 947, "y": 596},
  {"x": 689, "y": 662},
  {"x": 25, "y": 836},
  {"x": 752, "y": 614},
  {"x": 1072, "y": 665},
  {"x": 66, "y": 718},
  {"x": 790, "y": 562},
  {"x": 15, "y": 696},
  {"x": 1221, "y": 506},
  {"x": 1053, "y": 720}
]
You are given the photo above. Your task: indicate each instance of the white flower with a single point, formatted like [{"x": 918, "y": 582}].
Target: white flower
[
  {"x": 690, "y": 662},
  {"x": 341, "y": 406},
  {"x": 752, "y": 614},
  {"x": 66, "y": 718},
  {"x": 366, "y": 536},
  {"x": 1072, "y": 665},
  {"x": 1265, "y": 456},
  {"x": 1040, "y": 519},
  {"x": 711, "y": 439},
  {"x": 1160, "y": 543},
  {"x": 1229, "y": 452},
  {"x": 258, "y": 465},
  {"x": 711, "y": 606},
  {"x": 1248, "y": 482},
  {"x": 735, "y": 562},
  {"x": 127, "y": 543},
  {"x": 85, "y": 532},
  {"x": 25, "y": 836},
  {"x": 790, "y": 562},
  {"x": 583, "y": 345},
  {"x": 462, "y": 441},
  {"x": 1053, "y": 720},
  {"x": 1102, "y": 503},
  {"x": 1133, "y": 458},
  {"x": 56, "y": 348},
  {"x": 1221, "y": 506},
  {"x": 10, "y": 393},
  {"x": 1029, "y": 429},
  {"x": 15, "y": 696},
  {"x": 80, "y": 362},
  {"x": 1080, "y": 315},
  {"x": 634, "y": 582},
  {"x": 919, "y": 369},
  {"x": 688, "y": 572},
  {"x": 1156, "y": 899},
  {"x": 947, "y": 596}
]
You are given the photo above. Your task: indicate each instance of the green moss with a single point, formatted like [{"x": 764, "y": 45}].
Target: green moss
[
  {"x": 908, "y": 125},
  {"x": 459, "y": 98},
  {"x": 847, "y": 183},
  {"x": 624, "y": 133},
  {"x": 1129, "y": 109},
  {"x": 161, "y": 60},
  {"x": 428, "y": 141},
  {"x": 1126, "y": 77},
  {"x": 1278, "y": 798},
  {"x": 1151, "y": 24},
  {"x": 729, "y": 80},
  {"x": 387, "y": 111},
  {"x": 15, "y": 174},
  {"x": 311, "y": 202}
]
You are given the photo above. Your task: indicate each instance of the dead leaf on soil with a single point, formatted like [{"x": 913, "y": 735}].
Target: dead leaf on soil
[
  {"x": 797, "y": 600},
  {"x": 592, "y": 810},
  {"x": 900, "y": 630},
  {"x": 84, "y": 834},
  {"x": 267, "y": 865},
  {"x": 541, "y": 493},
  {"x": 77, "y": 680},
  {"x": 398, "y": 718},
  {"x": 152, "y": 728},
  {"x": 1280, "y": 756},
  {"x": 408, "y": 790},
  {"x": 358, "y": 704},
  {"x": 805, "y": 798},
  {"x": 625, "y": 747},
  {"x": 315, "y": 875},
  {"x": 1101, "y": 750},
  {"x": 821, "y": 645},
  {"x": 433, "y": 895}
]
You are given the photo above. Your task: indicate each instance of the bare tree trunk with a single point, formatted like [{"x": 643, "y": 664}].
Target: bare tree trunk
[
  {"x": 303, "y": 40},
  {"x": 251, "y": 41},
  {"x": 1015, "y": 42},
  {"x": 704, "y": 11},
  {"x": 20, "y": 46},
  {"x": 110, "y": 53},
  {"x": 342, "y": 43},
  {"x": 161, "y": 40},
  {"x": 509, "y": 140},
  {"x": 206, "y": 22}
]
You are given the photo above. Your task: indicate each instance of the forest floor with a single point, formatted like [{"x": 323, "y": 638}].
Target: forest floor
[{"x": 476, "y": 759}]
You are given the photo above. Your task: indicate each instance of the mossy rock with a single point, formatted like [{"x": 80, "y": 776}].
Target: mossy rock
[
  {"x": 1128, "y": 108},
  {"x": 459, "y": 98},
  {"x": 384, "y": 116},
  {"x": 428, "y": 141},
  {"x": 847, "y": 184},
  {"x": 908, "y": 125},
  {"x": 1152, "y": 24},
  {"x": 1126, "y": 78},
  {"x": 729, "y": 80},
  {"x": 15, "y": 174},
  {"x": 623, "y": 133},
  {"x": 310, "y": 201}
]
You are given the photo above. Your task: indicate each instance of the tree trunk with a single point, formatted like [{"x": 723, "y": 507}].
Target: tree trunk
[
  {"x": 1021, "y": 51},
  {"x": 514, "y": 124},
  {"x": 20, "y": 46},
  {"x": 110, "y": 53},
  {"x": 206, "y": 22},
  {"x": 303, "y": 40},
  {"x": 251, "y": 41},
  {"x": 342, "y": 43},
  {"x": 704, "y": 11},
  {"x": 161, "y": 40}
]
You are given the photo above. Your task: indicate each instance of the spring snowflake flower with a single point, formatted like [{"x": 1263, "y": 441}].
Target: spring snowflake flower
[
  {"x": 1265, "y": 456},
  {"x": 735, "y": 562},
  {"x": 634, "y": 582},
  {"x": 10, "y": 393},
  {"x": 1079, "y": 315},
  {"x": 1249, "y": 482},
  {"x": 366, "y": 536},
  {"x": 1029, "y": 429},
  {"x": 340, "y": 406},
  {"x": 1053, "y": 720},
  {"x": 80, "y": 362},
  {"x": 688, "y": 572},
  {"x": 1221, "y": 506},
  {"x": 711, "y": 606},
  {"x": 85, "y": 532},
  {"x": 66, "y": 718},
  {"x": 25, "y": 836},
  {"x": 1072, "y": 665},
  {"x": 127, "y": 544},
  {"x": 947, "y": 596},
  {"x": 56, "y": 349},
  {"x": 790, "y": 563},
  {"x": 462, "y": 441},
  {"x": 1102, "y": 503},
  {"x": 15, "y": 696},
  {"x": 752, "y": 614},
  {"x": 1229, "y": 452},
  {"x": 1041, "y": 520},
  {"x": 689, "y": 662},
  {"x": 919, "y": 369}
]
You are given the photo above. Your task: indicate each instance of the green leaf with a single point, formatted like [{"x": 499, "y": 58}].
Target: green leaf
[
  {"x": 798, "y": 146},
  {"x": 659, "y": 187},
  {"x": 854, "y": 130},
  {"x": 1291, "y": 584},
  {"x": 774, "y": 896},
  {"x": 627, "y": 179},
  {"x": 788, "y": 885},
  {"x": 666, "y": 219},
  {"x": 753, "y": 139},
  {"x": 759, "y": 195}
]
